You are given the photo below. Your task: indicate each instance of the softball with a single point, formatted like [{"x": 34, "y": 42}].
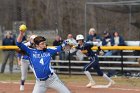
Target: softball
[{"x": 22, "y": 28}]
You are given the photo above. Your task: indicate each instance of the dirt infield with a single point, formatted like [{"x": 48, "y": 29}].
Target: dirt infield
[
  {"x": 13, "y": 87},
  {"x": 76, "y": 83}
]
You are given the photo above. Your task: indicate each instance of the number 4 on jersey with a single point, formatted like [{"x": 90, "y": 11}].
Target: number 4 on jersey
[{"x": 41, "y": 61}]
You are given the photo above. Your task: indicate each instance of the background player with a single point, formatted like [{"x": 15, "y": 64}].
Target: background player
[
  {"x": 23, "y": 61},
  {"x": 40, "y": 58},
  {"x": 94, "y": 61}
]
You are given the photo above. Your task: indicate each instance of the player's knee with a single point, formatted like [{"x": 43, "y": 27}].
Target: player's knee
[{"x": 86, "y": 68}]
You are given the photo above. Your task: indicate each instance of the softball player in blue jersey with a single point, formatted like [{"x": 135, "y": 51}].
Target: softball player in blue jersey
[
  {"x": 94, "y": 61},
  {"x": 40, "y": 58},
  {"x": 23, "y": 61}
]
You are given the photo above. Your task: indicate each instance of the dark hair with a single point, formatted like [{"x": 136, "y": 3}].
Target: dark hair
[
  {"x": 39, "y": 39},
  {"x": 115, "y": 32}
]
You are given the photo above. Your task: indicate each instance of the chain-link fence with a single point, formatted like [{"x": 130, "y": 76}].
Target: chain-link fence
[
  {"x": 120, "y": 16},
  {"x": 33, "y": 13},
  {"x": 70, "y": 16}
]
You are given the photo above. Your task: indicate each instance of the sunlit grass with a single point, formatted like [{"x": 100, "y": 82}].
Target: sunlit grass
[{"x": 80, "y": 79}]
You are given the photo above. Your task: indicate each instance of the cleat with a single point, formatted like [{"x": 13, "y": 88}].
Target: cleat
[
  {"x": 112, "y": 82},
  {"x": 90, "y": 84},
  {"x": 21, "y": 87}
]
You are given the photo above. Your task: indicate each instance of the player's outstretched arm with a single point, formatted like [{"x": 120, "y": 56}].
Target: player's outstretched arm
[{"x": 23, "y": 47}]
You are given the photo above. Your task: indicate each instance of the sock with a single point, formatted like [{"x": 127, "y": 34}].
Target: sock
[
  {"x": 89, "y": 76},
  {"x": 107, "y": 78},
  {"x": 22, "y": 82}
]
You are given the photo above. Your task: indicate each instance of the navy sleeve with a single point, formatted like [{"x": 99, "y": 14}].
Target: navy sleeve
[
  {"x": 14, "y": 42},
  {"x": 104, "y": 42}
]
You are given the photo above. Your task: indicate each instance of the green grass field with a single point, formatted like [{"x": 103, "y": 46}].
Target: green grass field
[{"x": 123, "y": 81}]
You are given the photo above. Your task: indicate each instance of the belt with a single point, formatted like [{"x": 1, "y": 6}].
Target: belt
[
  {"x": 25, "y": 59},
  {"x": 44, "y": 79}
]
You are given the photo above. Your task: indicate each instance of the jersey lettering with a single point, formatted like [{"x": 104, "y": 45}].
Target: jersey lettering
[
  {"x": 41, "y": 55},
  {"x": 41, "y": 61}
]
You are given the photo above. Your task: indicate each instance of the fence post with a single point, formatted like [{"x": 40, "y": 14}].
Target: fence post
[
  {"x": 69, "y": 64},
  {"x": 122, "y": 65}
]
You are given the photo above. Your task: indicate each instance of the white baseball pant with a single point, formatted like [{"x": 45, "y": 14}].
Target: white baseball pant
[
  {"x": 24, "y": 68},
  {"x": 52, "y": 82}
]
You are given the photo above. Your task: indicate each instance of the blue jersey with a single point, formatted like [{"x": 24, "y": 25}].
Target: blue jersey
[
  {"x": 40, "y": 60},
  {"x": 87, "y": 46}
]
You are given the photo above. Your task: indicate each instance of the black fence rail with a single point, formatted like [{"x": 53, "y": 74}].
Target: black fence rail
[{"x": 121, "y": 63}]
